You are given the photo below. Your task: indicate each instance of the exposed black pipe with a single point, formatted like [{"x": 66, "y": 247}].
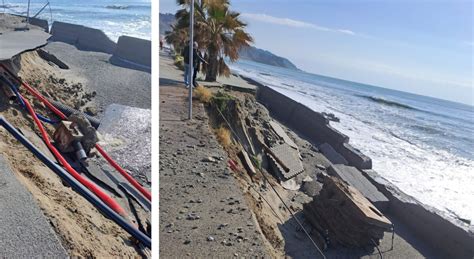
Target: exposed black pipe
[
  {"x": 68, "y": 111},
  {"x": 78, "y": 187}
]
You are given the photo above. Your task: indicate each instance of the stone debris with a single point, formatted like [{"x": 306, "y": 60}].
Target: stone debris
[{"x": 342, "y": 214}]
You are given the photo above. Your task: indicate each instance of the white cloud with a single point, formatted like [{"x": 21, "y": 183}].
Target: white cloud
[{"x": 291, "y": 23}]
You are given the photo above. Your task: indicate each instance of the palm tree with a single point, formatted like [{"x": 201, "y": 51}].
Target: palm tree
[
  {"x": 217, "y": 28},
  {"x": 177, "y": 38}
]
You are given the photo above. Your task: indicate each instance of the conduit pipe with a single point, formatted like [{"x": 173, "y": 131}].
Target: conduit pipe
[
  {"x": 77, "y": 186},
  {"x": 67, "y": 111},
  {"x": 90, "y": 185},
  {"x": 17, "y": 94},
  {"x": 129, "y": 178},
  {"x": 38, "y": 95}
]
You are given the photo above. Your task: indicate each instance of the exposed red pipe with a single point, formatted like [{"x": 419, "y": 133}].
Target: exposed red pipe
[
  {"x": 38, "y": 95},
  {"x": 129, "y": 178},
  {"x": 91, "y": 186}
]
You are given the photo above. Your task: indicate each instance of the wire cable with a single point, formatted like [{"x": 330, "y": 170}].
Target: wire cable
[{"x": 273, "y": 188}]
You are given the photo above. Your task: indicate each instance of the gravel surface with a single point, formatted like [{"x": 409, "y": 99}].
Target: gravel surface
[
  {"x": 203, "y": 213},
  {"x": 112, "y": 84}
]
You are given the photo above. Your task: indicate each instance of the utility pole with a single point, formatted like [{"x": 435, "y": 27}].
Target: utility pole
[
  {"x": 191, "y": 62},
  {"x": 28, "y": 13}
]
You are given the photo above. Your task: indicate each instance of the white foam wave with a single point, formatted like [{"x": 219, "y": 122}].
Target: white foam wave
[{"x": 435, "y": 177}]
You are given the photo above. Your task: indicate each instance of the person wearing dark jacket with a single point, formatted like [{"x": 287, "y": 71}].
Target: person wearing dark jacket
[{"x": 197, "y": 59}]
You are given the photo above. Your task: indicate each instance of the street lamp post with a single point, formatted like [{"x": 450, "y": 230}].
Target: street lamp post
[{"x": 191, "y": 62}]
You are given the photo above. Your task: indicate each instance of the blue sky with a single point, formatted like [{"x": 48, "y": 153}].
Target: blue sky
[{"x": 423, "y": 47}]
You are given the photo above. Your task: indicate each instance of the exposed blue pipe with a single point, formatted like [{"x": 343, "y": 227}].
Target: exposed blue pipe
[
  {"x": 13, "y": 87},
  {"x": 78, "y": 187}
]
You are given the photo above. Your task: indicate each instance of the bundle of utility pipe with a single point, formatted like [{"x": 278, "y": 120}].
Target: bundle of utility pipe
[
  {"x": 344, "y": 216},
  {"x": 73, "y": 134}
]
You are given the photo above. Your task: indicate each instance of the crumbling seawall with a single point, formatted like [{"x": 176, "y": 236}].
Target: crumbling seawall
[
  {"x": 448, "y": 236},
  {"x": 312, "y": 125},
  {"x": 132, "y": 50}
]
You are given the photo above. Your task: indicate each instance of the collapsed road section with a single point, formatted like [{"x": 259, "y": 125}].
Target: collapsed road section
[
  {"x": 96, "y": 204},
  {"x": 335, "y": 207}
]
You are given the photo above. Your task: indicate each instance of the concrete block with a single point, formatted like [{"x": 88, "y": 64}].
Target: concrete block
[
  {"x": 65, "y": 32},
  {"x": 95, "y": 40},
  {"x": 84, "y": 38},
  {"x": 134, "y": 49},
  {"x": 332, "y": 155},
  {"x": 40, "y": 23},
  {"x": 356, "y": 179},
  {"x": 354, "y": 157}
]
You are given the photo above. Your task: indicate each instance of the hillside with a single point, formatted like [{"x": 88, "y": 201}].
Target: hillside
[
  {"x": 249, "y": 53},
  {"x": 166, "y": 20},
  {"x": 265, "y": 57}
]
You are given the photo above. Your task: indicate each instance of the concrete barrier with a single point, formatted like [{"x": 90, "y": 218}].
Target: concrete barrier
[
  {"x": 442, "y": 232},
  {"x": 354, "y": 157},
  {"x": 40, "y": 23},
  {"x": 82, "y": 37},
  {"x": 134, "y": 50},
  {"x": 313, "y": 125}
]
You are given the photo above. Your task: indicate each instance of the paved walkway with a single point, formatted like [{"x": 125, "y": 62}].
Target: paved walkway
[
  {"x": 24, "y": 230},
  {"x": 203, "y": 212}
]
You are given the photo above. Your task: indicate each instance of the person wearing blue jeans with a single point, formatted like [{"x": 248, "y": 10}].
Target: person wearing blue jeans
[
  {"x": 186, "y": 74},
  {"x": 197, "y": 59}
]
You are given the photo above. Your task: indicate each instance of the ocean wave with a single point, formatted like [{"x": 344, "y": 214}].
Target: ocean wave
[
  {"x": 387, "y": 102},
  {"x": 125, "y": 7}
]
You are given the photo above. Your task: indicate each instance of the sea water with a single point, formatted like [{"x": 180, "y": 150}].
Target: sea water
[
  {"x": 423, "y": 145},
  {"x": 115, "y": 18}
]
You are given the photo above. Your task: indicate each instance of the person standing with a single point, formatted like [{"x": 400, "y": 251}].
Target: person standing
[{"x": 196, "y": 61}]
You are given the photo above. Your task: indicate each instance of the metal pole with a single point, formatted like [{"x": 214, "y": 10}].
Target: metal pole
[
  {"x": 191, "y": 56},
  {"x": 28, "y": 13}
]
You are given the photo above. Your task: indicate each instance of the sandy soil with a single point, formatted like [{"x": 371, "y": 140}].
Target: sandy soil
[{"x": 83, "y": 230}]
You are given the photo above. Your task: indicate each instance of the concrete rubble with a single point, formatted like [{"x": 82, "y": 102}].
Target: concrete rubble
[
  {"x": 347, "y": 217},
  {"x": 355, "y": 178}
]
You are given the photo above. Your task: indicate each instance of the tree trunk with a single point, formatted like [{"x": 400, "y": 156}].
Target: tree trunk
[{"x": 211, "y": 73}]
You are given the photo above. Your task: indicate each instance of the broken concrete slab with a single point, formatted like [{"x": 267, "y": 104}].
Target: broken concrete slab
[
  {"x": 127, "y": 132},
  {"x": 332, "y": 155},
  {"x": 354, "y": 157},
  {"x": 289, "y": 157},
  {"x": 282, "y": 134},
  {"x": 13, "y": 43},
  {"x": 24, "y": 230},
  {"x": 244, "y": 157},
  {"x": 355, "y": 178}
]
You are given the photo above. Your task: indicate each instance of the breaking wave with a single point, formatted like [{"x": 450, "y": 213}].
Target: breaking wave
[
  {"x": 125, "y": 7},
  {"x": 387, "y": 102}
]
